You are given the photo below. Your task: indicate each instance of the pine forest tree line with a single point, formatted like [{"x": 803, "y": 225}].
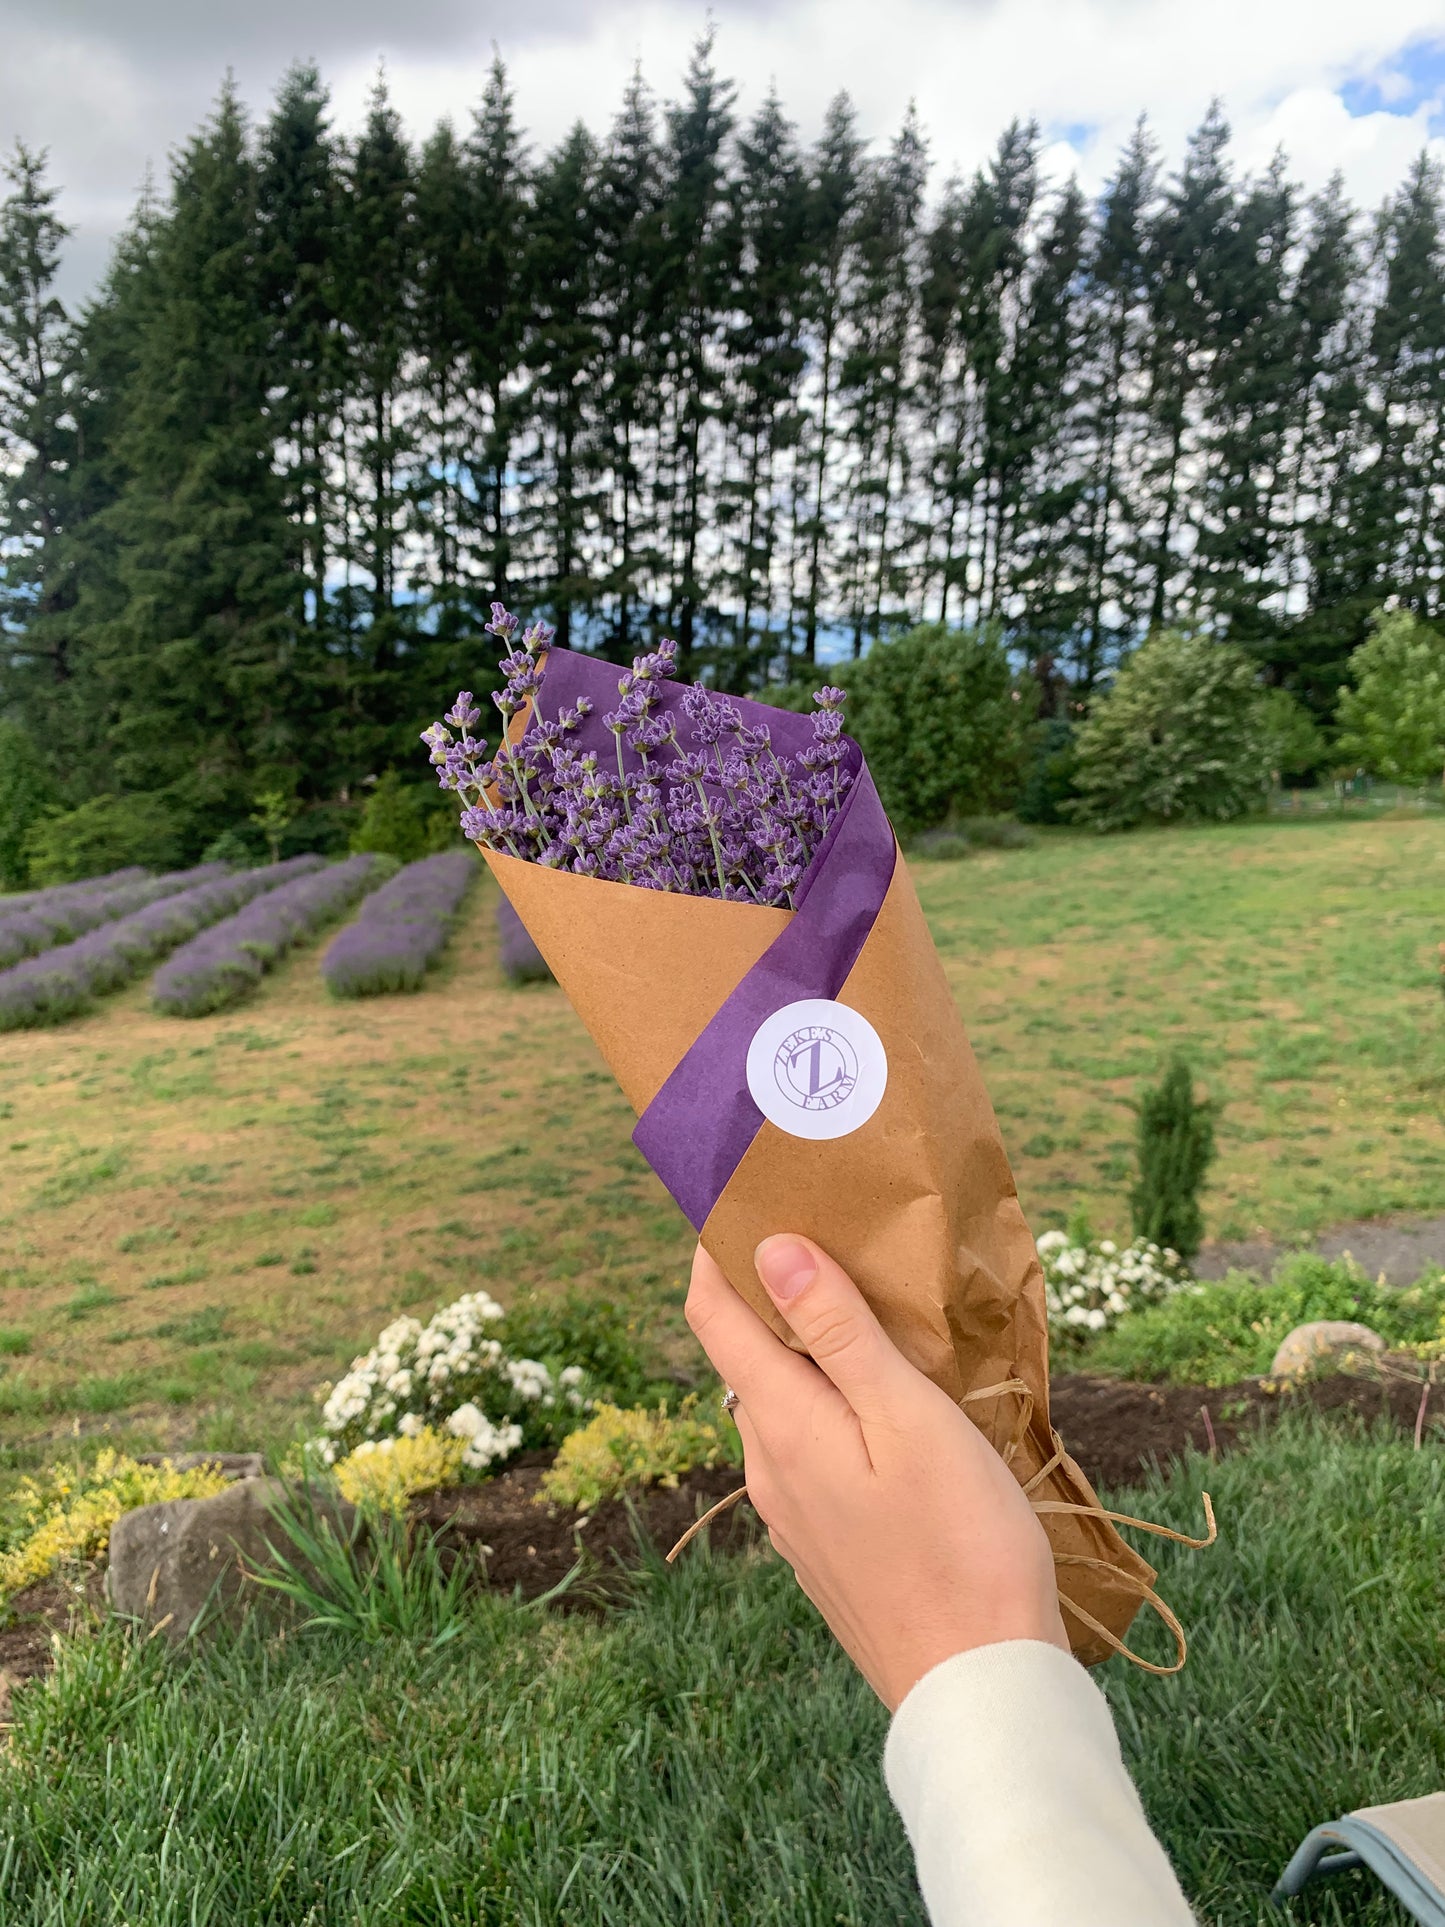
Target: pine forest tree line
[{"x": 686, "y": 376}]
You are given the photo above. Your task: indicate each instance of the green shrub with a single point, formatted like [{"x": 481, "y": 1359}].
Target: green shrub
[
  {"x": 574, "y": 1328},
  {"x": 619, "y": 1451},
  {"x": 26, "y": 795},
  {"x": 1295, "y": 744},
  {"x": 942, "y": 722},
  {"x": 940, "y": 846},
  {"x": 393, "y": 822},
  {"x": 229, "y": 847},
  {"x": 995, "y": 832},
  {"x": 107, "y": 833},
  {"x": 1049, "y": 787},
  {"x": 1231, "y": 1328},
  {"x": 1174, "y": 1145},
  {"x": 1181, "y": 737},
  {"x": 1393, "y": 721}
]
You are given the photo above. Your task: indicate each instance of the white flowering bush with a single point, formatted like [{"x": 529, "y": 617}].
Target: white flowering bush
[
  {"x": 1089, "y": 1286},
  {"x": 451, "y": 1375}
]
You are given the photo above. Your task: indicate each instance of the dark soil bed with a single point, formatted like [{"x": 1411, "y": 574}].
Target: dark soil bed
[{"x": 1116, "y": 1430}]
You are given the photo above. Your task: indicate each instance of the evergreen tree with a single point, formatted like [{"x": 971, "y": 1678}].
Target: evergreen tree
[
  {"x": 377, "y": 263},
  {"x": 1111, "y": 420},
  {"x": 765, "y": 363},
  {"x": 629, "y": 249},
  {"x": 299, "y": 229},
  {"x": 496, "y": 302},
  {"x": 37, "y": 436},
  {"x": 206, "y": 691},
  {"x": 693, "y": 276},
  {"x": 564, "y": 357},
  {"x": 833, "y": 189}
]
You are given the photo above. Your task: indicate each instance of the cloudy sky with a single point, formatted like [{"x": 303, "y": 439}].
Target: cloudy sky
[{"x": 109, "y": 86}]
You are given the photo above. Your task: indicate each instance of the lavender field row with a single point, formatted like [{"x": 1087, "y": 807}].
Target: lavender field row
[
  {"x": 62, "y": 982},
  {"x": 59, "y": 916},
  {"x": 226, "y": 961},
  {"x": 61, "y": 892},
  {"x": 402, "y": 929}
]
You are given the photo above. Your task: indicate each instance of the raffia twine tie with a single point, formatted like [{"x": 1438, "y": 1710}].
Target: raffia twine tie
[{"x": 1147, "y": 1594}]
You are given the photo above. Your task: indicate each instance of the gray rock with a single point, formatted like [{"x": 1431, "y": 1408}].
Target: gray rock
[
  {"x": 172, "y": 1563},
  {"x": 1323, "y": 1341},
  {"x": 231, "y": 1465}
]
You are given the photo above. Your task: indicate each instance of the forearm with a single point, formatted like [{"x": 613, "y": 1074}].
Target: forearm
[{"x": 1005, "y": 1767}]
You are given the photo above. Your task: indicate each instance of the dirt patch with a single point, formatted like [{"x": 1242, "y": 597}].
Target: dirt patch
[
  {"x": 1118, "y": 1431},
  {"x": 32, "y": 1618},
  {"x": 532, "y": 1546},
  {"x": 1400, "y": 1250}
]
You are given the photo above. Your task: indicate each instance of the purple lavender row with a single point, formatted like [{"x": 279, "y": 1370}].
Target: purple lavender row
[
  {"x": 62, "y": 982},
  {"x": 224, "y": 963},
  {"x": 401, "y": 930},
  {"x": 723, "y": 815},
  {"x": 28, "y": 932},
  {"x": 522, "y": 961},
  {"x": 61, "y": 892}
]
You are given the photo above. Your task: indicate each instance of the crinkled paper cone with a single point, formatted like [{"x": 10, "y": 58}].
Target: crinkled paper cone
[{"x": 918, "y": 1204}]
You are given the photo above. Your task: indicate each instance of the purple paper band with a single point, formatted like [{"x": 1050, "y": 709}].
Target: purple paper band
[{"x": 697, "y": 1129}]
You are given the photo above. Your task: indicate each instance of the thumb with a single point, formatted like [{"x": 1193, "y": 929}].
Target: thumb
[{"x": 831, "y": 1316}]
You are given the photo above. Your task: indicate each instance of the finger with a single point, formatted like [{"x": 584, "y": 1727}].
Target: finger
[
  {"x": 767, "y": 1375},
  {"x": 831, "y": 1316}
]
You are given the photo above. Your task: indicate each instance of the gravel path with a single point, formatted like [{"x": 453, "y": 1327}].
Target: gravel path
[{"x": 1403, "y": 1249}]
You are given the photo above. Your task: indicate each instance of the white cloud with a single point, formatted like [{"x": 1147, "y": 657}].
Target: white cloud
[{"x": 107, "y": 93}]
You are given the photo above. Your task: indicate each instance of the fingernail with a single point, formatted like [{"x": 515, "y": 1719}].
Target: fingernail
[{"x": 785, "y": 1266}]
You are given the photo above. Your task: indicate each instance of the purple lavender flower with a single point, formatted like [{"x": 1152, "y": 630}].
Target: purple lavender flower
[
  {"x": 522, "y": 961},
  {"x": 224, "y": 963},
  {"x": 699, "y": 801},
  {"x": 402, "y": 928},
  {"x": 61, "y": 982},
  {"x": 52, "y": 917}
]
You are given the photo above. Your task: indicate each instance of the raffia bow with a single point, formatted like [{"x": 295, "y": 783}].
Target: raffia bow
[{"x": 1147, "y": 1594}]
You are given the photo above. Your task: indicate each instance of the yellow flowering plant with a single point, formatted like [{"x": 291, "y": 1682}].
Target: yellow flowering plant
[
  {"x": 68, "y": 1516},
  {"x": 385, "y": 1473},
  {"x": 620, "y": 1450}
]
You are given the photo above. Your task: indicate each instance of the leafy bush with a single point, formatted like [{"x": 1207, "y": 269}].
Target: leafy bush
[
  {"x": 26, "y": 794},
  {"x": 1175, "y": 1146},
  {"x": 107, "y": 833},
  {"x": 69, "y": 1515},
  {"x": 229, "y": 847},
  {"x": 1049, "y": 787},
  {"x": 394, "y": 822},
  {"x": 1393, "y": 721},
  {"x": 1295, "y": 745},
  {"x": 1231, "y": 1328},
  {"x": 1181, "y": 737},
  {"x": 618, "y": 1451},
  {"x": 940, "y": 846},
  {"x": 995, "y": 832},
  {"x": 942, "y": 722},
  {"x": 576, "y": 1328},
  {"x": 1089, "y": 1285}
]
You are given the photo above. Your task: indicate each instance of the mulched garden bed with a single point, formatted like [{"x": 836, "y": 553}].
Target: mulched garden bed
[{"x": 1116, "y": 1430}]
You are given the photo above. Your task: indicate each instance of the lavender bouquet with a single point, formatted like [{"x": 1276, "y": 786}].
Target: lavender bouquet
[{"x": 717, "y": 888}]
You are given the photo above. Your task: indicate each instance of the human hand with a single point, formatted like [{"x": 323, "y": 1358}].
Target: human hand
[{"x": 901, "y": 1523}]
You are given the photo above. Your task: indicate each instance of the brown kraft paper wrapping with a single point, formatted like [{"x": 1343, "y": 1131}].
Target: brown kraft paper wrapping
[{"x": 918, "y": 1204}]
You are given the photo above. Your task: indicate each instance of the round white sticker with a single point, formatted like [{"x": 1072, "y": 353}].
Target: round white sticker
[{"x": 817, "y": 1069}]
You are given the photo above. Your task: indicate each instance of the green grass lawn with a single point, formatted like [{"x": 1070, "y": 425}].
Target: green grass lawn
[
  {"x": 707, "y": 1754},
  {"x": 199, "y": 1221}
]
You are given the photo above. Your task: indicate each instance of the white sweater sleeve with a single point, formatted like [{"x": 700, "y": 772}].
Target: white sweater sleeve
[{"x": 1006, "y": 1769}]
